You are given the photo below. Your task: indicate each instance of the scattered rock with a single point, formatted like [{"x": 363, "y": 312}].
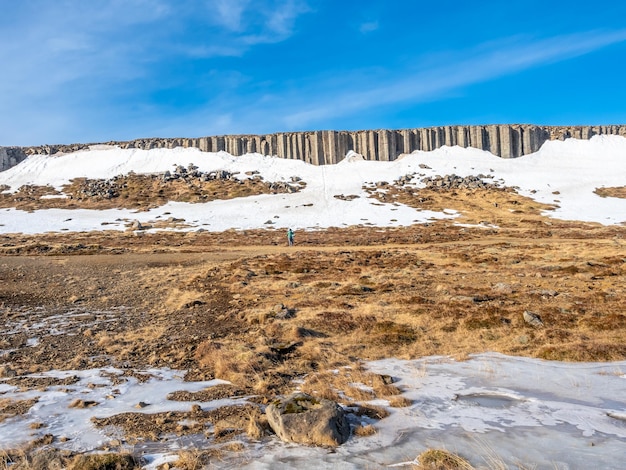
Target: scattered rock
[
  {"x": 6, "y": 371},
  {"x": 532, "y": 319},
  {"x": 304, "y": 419},
  {"x": 343, "y": 197},
  {"x": 281, "y": 312},
  {"x": 78, "y": 403},
  {"x": 458, "y": 182},
  {"x": 546, "y": 293},
  {"x": 503, "y": 288},
  {"x": 285, "y": 348}
]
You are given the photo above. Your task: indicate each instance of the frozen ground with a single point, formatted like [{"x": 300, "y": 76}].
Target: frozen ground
[{"x": 493, "y": 409}]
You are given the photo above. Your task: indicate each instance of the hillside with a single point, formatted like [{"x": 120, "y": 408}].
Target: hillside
[{"x": 151, "y": 306}]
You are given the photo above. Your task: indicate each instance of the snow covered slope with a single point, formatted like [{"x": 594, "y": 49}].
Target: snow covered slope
[{"x": 564, "y": 173}]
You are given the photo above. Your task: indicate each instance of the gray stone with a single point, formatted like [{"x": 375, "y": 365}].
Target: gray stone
[
  {"x": 304, "y": 419},
  {"x": 6, "y": 371},
  {"x": 532, "y": 319}
]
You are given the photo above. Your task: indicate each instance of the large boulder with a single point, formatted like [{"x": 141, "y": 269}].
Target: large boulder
[{"x": 304, "y": 419}]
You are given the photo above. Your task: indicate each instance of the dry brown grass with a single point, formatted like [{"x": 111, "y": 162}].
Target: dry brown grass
[
  {"x": 238, "y": 363},
  {"x": 349, "y": 384},
  {"x": 439, "y": 459},
  {"x": 455, "y": 298},
  {"x": 616, "y": 191},
  {"x": 197, "y": 459},
  {"x": 364, "y": 431},
  {"x": 399, "y": 402},
  {"x": 10, "y": 407},
  {"x": 117, "y": 461},
  {"x": 193, "y": 459},
  {"x": 133, "y": 191},
  {"x": 502, "y": 207},
  {"x": 53, "y": 459},
  {"x": 29, "y": 459}
]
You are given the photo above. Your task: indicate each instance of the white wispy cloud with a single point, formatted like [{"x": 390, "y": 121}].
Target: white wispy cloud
[
  {"x": 281, "y": 18},
  {"x": 250, "y": 23},
  {"x": 483, "y": 63},
  {"x": 229, "y": 13},
  {"x": 72, "y": 63}
]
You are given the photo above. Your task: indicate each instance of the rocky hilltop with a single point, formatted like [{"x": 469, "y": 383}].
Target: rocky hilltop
[{"x": 327, "y": 147}]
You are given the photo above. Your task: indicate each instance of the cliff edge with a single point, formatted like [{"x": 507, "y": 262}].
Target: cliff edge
[{"x": 327, "y": 147}]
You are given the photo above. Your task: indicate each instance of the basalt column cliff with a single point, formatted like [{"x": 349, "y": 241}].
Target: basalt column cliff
[{"x": 325, "y": 147}]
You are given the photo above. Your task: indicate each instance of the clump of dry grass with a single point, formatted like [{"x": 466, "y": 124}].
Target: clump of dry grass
[
  {"x": 351, "y": 383},
  {"x": 118, "y": 461},
  {"x": 321, "y": 385},
  {"x": 241, "y": 364},
  {"x": 372, "y": 411},
  {"x": 439, "y": 459},
  {"x": 182, "y": 299},
  {"x": 615, "y": 191},
  {"x": 255, "y": 430},
  {"x": 391, "y": 333},
  {"x": 399, "y": 402},
  {"x": 608, "y": 322},
  {"x": 585, "y": 351},
  {"x": 198, "y": 459},
  {"x": 10, "y": 407},
  {"x": 32, "y": 458},
  {"x": 193, "y": 459},
  {"x": 364, "y": 431}
]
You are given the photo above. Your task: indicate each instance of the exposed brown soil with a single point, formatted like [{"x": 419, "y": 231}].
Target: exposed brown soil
[
  {"x": 244, "y": 307},
  {"x": 135, "y": 191},
  {"x": 615, "y": 191}
]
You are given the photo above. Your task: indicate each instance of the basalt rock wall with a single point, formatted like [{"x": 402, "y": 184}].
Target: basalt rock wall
[
  {"x": 11, "y": 156},
  {"x": 326, "y": 147}
]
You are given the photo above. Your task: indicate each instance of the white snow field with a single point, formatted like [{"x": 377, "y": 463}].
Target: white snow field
[
  {"x": 564, "y": 173},
  {"x": 499, "y": 411}
]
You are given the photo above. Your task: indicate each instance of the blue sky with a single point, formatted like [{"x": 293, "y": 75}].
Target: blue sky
[{"x": 96, "y": 70}]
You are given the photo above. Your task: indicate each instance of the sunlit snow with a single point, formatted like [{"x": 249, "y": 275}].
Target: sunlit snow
[{"x": 563, "y": 173}]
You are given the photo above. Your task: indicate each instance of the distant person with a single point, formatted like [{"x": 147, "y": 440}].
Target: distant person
[{"x": 290, "y": 237}]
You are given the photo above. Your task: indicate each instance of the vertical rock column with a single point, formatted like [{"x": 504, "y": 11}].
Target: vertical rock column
[
  {"x": 11, "y": 156},
  {"x": 5, "y": 163}
]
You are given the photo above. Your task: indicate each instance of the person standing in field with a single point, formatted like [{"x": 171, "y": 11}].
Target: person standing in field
[{"x": 290, "y": 237}]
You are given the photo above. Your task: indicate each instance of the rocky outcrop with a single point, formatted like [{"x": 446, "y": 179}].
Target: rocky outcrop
[{"x": 327, "y": 147}]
